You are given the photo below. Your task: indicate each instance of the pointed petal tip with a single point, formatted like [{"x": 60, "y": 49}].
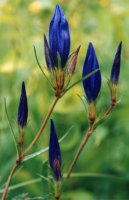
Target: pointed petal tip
[
  {"x": 52, "y": 126},
  {"x": 58, "y": 7},
  {"x": 58, "y": 10},
  {"x": 23, "y": 83},
  {"x": 44, "y": 36},
  {"x": 91, "y": 44},
  {"x": 45, "y": 39},
  {"x": 91, "y": 47},
  {"x": 51, "y": 121},
  {"x": 120, "y": 43},
  {"x": 23, "y": 86},
  {"x": 120, "y": 46},
  {"x": 78, "y": 49}
]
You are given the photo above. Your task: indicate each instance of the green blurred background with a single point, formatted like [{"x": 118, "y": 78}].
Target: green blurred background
[{"x": 103, "y": 22}]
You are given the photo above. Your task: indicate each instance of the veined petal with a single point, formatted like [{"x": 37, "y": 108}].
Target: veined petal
[
  {"x": 53, "y": 34},
  {"x": 59, "y": 36},
  {"x": 64, "y": 39},
  {"x": 92, "y": 84},
  {"x": 115, "y": 72}
]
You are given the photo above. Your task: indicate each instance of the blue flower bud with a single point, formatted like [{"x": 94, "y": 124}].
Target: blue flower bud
[
  {"x": 92, "y": 84},
  {"x": 48, "y": 55},
  {"x": 54, "y": 153},
  {"x": 59, "y": 37},
  {"x": 114, "y": 78},
  {"x": 23, "y": 108}
]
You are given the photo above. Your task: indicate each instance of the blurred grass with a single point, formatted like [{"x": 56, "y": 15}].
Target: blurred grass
[{"x": 105, "y": 23}]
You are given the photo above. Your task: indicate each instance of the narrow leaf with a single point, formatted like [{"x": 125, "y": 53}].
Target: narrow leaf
[
  {"x": 13, "y": 134},
  {"x": 73, "y": 175},
  {"x": 25, "y": 183},
  {"x": 80, "y": 80},
  {"x": 33, "y": 155},
  {"x": 41, "y": 67}
]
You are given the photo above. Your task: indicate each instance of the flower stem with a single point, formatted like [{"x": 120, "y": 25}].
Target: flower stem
[
  {"x": 18, "y": 161},
  {"x": 112, "y": 106},
  {"x": 107, "y": 112},
  {"x": 84, "y": 141},
  {"x": 9, "y": 180}
]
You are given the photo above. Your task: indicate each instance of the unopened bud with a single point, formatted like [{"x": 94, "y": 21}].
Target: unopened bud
[{"x": 73, "y": 61}]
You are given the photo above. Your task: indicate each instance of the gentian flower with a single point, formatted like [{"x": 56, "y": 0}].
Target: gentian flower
[
  {"x": 54, "y": 153},
  {"x": 60, "y": 65},
  {"x": 59, "y": 40},
  {"x": 23, "y": 108},
  {"x": 92, "y": 84},
  {"x": 115, "y": 72},
  {"x": 59, "y": 37}
]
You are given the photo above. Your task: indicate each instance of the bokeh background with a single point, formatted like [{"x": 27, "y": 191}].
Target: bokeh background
[{"x": 103, "y": 22}]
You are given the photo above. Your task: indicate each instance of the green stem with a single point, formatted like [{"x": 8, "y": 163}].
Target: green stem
[
  {"x": 84, "y": 141},
  {"x": 108, "y": 111},
  {"x": 57, "y": 190}
]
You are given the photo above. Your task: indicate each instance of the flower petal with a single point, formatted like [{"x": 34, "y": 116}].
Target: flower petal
[{"x": 48, "y": 56}]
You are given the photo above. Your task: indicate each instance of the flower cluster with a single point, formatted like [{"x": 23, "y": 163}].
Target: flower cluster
[{"x": 60, "y": 65}]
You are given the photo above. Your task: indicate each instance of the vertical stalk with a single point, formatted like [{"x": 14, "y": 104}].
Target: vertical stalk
[
  {"x": 9, "y": 180},
  {"x": 84, "y": 141}
]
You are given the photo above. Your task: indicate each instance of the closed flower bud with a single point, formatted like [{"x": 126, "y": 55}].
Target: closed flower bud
[
  {"x": 54, "y": 153},
  {"x": 92, "y": 84},
  {"x": 23, "y": 108},
  {"x": 115, "y": 72},
  {"x": 59, "y": 37},
  {"x": 73, "y": 61}
]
